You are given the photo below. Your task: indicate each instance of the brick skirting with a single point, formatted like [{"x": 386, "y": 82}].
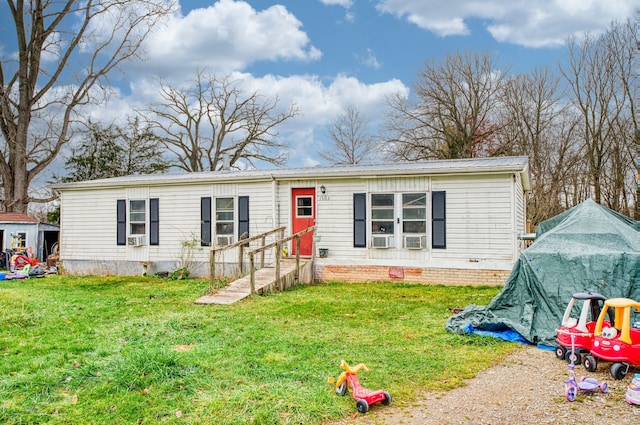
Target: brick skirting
[{"x": 410, "y": 274}]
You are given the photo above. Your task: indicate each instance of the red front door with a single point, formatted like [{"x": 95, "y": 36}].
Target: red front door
[{"x": 303, "y": 201}]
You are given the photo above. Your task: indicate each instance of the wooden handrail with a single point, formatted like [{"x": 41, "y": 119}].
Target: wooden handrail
[
  {"x": 287, "y": 239},
  {"x": 278, "y": 245},
  {"x": 240, "y": 245}
]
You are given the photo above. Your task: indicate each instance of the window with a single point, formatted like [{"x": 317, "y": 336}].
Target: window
[
  {"x": 19, "y": 241},
  {"x": 399, "y": 219},
  {"x": 382, "y": 207},
  {"x": 137, "y": 217},
  {"x": 414, "y": 220},
  {"x": 304, "y": 206},
  {"x": 224, "y": 216},
  {"x": 414, "y": 213},
  {"x": 137, "y": 222}
]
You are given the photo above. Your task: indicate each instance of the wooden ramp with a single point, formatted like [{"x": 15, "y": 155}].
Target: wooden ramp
[{"x": 265, "y": 280}]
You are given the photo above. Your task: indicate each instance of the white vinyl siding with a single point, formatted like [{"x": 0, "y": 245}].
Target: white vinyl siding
[
  {"x": 484, "y": 214},
  {"x": 88, "y": 225},
  {"x": 479, "y": 217}
]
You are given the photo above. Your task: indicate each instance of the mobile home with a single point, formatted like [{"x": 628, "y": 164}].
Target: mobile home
[{"x": 441, "y": 221}]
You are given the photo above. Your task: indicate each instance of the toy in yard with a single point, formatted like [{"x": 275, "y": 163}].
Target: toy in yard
[
  {"x": 633, "y": 390},
  {"x": 575, "y": 335},
  {"x": 348, "y": 382},
  {"x": 572, "y": 385},
  {"x": 20, "y": 259},
  {"x": 620, "y": 343}
]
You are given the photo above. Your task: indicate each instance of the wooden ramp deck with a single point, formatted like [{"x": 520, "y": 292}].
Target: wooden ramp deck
[{"x": 264, "y": 279}]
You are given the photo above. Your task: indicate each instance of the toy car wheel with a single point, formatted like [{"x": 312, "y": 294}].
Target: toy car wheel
[
  {"x": 577, "y": 358},
  {"x": 561, "y": 352},
  {"x": 362, "y": 406},
  {"x": 590, "y": 363},
  {"x": 618, "y": 371},
  {"x": 570, "y": 392},
  {"x": 604, "y": 387},
  {"x": 342, "y": 388},
  {"x": 387, "y": 399}
]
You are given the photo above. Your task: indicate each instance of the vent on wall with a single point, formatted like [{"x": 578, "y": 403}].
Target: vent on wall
[
  {"x": 381, "y": 241},
  {"x": 135, "y": 240},
  {"x": 224, "y": 240},
  {"x": 413, "y": 242}
]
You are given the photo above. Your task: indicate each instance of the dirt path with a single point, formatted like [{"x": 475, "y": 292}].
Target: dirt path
[{"x": 527, "y": 387}]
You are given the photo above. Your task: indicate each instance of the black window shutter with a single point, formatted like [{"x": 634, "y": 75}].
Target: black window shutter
[
  {"x": 243, "y": 217},
  {"x": 121, "y": 238},
  {"x": 438, "y": 220},
  {"x": 360, "y": 220},
  {"x": 154, "y": 221},
  {"x": 205, "y": 221}
]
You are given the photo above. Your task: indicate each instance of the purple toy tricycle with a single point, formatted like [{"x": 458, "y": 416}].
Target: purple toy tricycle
[{"x": 571, "y": 385}]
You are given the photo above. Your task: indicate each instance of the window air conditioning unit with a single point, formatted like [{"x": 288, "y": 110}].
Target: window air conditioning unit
[
  {"x": 224, "y": 240},
  {"x": 381, "y": 241},
  {"x": 135, "y": 240},
  {"x": 413, "y": 242}
]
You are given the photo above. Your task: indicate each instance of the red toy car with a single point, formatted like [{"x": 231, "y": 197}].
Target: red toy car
[
  {"x": 575, "y": 335},
  {"x": 619, "y": 344},
  {"x": 348, "y": 381}
]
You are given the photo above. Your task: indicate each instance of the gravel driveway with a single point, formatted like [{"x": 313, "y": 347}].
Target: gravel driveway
[{"x": 527, "y": 387}]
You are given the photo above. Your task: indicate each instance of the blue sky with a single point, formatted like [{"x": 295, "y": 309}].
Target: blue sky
[{"x": 324, "y": 55}]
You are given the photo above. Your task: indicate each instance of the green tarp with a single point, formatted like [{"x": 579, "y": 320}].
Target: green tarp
[{"x": 587, "y": 248}]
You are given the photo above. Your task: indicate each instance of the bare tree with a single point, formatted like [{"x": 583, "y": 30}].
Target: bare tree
[
  {"x": 214, "y": 121},
  {"x": 352, "y": 142},
  {"x": 452, "y": 116},
  {"x": 541, "y": 126},
  {"x": 65, "y": 52},
  {"x": 620, "y": 40},
  {"x": 599, "y": 73}
]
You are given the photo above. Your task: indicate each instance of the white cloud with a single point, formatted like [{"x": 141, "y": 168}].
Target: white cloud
[
  {"x": 343, "y": 3},
  {"x": 349, "y": 16},
  {"x": 533, "y": 24},
  {"x": 228, "y": 35},
  {"x": 320, "y": 102},
  {"x": 369, "y": 59}
]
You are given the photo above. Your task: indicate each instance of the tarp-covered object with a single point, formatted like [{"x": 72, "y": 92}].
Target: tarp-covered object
[{"x": 587, "y": 248}]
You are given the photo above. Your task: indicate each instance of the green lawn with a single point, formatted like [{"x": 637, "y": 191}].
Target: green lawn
[{"x": 138, "y": 351}]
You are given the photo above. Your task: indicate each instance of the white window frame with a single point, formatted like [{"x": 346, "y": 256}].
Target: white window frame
[
  {"x": 375, "y": 210},
  {"x": 380, "y": 216},
  {"x": 22, "y": 240},
  {"x": 138, "y": 222},
  {"x": 229, "y": 224},
  {"x": 306, "y": 209},
  {"x": 404, "y": 222}
]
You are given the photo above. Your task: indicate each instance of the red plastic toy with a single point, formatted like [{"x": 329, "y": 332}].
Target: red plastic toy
[
  {"x": 575, "y": 335},
  {"x": 619, "y": 344},
  {"x": 348, "y": 381},
  {"x": 18, "y": 261}
]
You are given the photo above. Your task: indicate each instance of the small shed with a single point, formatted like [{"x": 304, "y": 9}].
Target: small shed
[
  {"x": 445, "y": 221},
  {"x": 19, "y": 232}
]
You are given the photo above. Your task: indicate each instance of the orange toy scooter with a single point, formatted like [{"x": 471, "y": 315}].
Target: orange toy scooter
[{"x": 348, "y": 381}]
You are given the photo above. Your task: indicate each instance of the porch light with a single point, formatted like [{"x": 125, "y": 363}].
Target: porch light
[{"x": 323, "y": 189}]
